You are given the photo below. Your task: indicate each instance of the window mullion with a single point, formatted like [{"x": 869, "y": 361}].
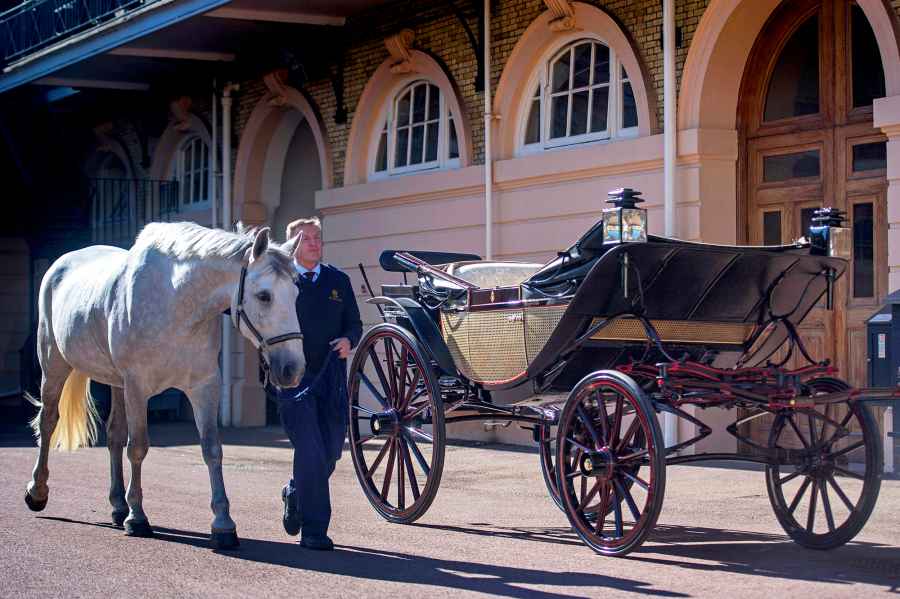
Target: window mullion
[
  {"x": 571, "y": 86},
  {"x": 615, "y": 89}
]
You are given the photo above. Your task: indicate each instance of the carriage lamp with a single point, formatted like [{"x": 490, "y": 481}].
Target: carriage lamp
[
  {"x": 827, "y": 234},
  {"x": 624, "y": 222}
]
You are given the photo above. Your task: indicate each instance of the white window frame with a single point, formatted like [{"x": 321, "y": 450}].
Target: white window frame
[
  {"x": 186, "y": 201},
  {"x": 542, "y": 79},
  {"x": 443, "y": 160}
]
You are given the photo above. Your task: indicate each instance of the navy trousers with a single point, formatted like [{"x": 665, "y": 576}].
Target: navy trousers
[{"x": 316, "y": 426}]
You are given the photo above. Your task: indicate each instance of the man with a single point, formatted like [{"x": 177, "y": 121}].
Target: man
[{"x": 316, "y": 422}]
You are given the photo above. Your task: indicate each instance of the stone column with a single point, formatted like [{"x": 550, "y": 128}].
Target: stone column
[{"x": 887, "y": 118}]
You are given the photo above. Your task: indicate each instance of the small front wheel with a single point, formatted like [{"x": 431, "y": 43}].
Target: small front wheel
[
  {"x": 610, "y": 463},
  {"x": 396, "y": 424}
]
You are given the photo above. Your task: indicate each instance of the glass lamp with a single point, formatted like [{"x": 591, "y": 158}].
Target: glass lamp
[
  {"x": 827, "y": 234},
  {"x": 624, "y": 222}
]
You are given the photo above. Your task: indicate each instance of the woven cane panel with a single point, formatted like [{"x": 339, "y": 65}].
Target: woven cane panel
[
  {"x": 487, "y": 346},
  {"x": 677, "y": 331},
  {"x": 540, "y": 322}
]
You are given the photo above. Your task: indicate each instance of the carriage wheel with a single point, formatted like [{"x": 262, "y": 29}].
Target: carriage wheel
[
  {"x": 396, "y": 424},
  {"x": 609, "y": 437},
  {"x": 826, "y": 494}
]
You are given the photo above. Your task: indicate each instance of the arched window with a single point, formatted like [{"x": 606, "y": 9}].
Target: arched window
[
  {"x": 418, "y": 133},
  {"x": 582, "y": 94},
  {"x": 191, "y": 170}
]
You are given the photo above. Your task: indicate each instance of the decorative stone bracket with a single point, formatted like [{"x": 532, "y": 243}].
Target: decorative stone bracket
[
  {"x": 563, "y": 15},
  {"x": 181, "y": 111},
  {"x": 398, "y": 47},
  {"x": 276, "y": 83}
]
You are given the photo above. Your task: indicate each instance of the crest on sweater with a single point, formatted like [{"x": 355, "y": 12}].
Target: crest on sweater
[{"x": 335, "y": 297}]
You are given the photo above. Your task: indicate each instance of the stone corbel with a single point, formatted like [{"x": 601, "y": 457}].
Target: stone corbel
[
  {"x": 276, "y": 83},
  {"x": 102, "y": 133},
  {"x": 398, "y": 47},
  {"x": 563, "y": 15},
  {"x": 181, "y": 111}
]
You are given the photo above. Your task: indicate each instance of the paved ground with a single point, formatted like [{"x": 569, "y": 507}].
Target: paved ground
[{"x": 491, "y": 531}]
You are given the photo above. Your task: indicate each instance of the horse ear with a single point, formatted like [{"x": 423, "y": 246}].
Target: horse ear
[
  {"x": 290, "y": 246},
  {"x": 260, "y": 243}
]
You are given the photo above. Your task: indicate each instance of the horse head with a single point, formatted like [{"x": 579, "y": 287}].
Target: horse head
[{"x": 264, "y": 309}]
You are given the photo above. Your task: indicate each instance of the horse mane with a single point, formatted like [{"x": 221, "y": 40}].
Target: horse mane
[{"x": 187, "y": 240}]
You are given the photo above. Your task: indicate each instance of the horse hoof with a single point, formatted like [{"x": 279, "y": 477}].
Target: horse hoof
[
  {"x": 118, "y": 518},
  {"x": 224, "y": 540},
  {"x": 35, "y": 505},
  {"x": 138, "y": 529}
]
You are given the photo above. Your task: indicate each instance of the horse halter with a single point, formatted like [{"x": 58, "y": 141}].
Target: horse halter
[{"x": 240, "y": 315}]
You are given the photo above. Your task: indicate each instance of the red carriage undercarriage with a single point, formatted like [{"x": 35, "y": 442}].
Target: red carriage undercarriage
[{"x": 609, "y": 335}]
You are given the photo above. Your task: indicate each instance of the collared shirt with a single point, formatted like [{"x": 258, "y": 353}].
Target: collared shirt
[{"x": 302, "y": 269}]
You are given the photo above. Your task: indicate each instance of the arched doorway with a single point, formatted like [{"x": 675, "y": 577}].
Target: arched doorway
[{"x": 807, "y": 141}]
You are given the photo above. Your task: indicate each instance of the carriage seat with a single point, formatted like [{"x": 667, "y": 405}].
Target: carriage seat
[{"x": 492, "y": 274}]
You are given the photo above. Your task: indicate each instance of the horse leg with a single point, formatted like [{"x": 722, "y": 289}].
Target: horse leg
[
  {"x": 37, "y": 492},
  {"x": 205, "y": 402},
  {"x": 136, "y": 524},
  {"x": 116, "y": 437}
]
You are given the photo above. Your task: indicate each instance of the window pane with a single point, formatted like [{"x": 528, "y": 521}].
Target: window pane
[
  {"x": 381, "y": 156},
  {"x": 806, "y": 215},
  {"x": 419, "y": 103},
  {"x": 870, "y": 157},
  {"x": 581, "y": 74},
  {"x": 629, "y": 107},
  {"x": 533, "y": 128},
  {"x": 868, "y": 72},
  {"x": 771, "y": 228},
  {"x": 197, "y": 159},
  {"x": 791, "y": 166},
  {"x": 558, "y": 110},
  {"x": 561, "y": 73},
  {"x": 431, "y": 142},
  {"x": 418, "y": 145},
  {"x": 794, "y": 87},
  {"x": 401, "y": 146},
  {"x": 187, "y": 159},
  {"x": 601, "y": 64},
  {"x": 579, "y": 113},
  {"x": 863, "y": 251},
  {"x": 403, "y": 110},
  {"x": 197, "y": 180},
  {"x": 623, "y": 75},
  {"x": 454, "y": 144},
  {"x": 434, "y": 102},
  {"x": 599, "y": 108}
]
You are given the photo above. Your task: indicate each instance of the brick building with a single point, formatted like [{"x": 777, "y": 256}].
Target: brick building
[{"x": 371, "y": 114}]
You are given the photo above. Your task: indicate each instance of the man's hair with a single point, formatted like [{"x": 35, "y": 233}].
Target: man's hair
[{"x": 294, "y": 227}]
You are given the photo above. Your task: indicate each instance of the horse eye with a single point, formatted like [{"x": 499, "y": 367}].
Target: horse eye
[{"x": 264, "y": 296}]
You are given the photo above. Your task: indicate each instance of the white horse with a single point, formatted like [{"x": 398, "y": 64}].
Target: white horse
[{"x": 148, "y": 319}]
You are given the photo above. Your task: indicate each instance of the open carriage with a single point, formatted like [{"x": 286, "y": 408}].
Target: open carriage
[{"x": 618, "y": 329}]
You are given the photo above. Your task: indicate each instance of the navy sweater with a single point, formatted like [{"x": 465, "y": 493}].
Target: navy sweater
[{"x": 327, "y": 310}]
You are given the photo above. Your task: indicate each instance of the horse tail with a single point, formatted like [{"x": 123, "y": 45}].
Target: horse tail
[{"x": 77, "y": 425}]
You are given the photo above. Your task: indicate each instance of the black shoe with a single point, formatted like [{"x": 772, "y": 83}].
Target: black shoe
[
  {"x": 322, "y": 543},
  {"x": 291, "y": 517}
]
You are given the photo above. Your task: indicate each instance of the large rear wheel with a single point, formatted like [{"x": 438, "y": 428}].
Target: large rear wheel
[
  {"x": 396, "y": 424},
  {"x": 827, "y": 482}
]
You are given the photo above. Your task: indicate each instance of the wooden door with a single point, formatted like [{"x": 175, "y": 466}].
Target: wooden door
[{"x": 807, "y": 141}]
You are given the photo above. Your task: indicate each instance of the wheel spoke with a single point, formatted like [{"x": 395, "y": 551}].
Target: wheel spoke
[
  {"x": 583, "y": 491},
  {"x": 367, "y": 438},
  {"x": 629, "y": 433},
  {"x": 813, "y": 429},
  {"x": 789, "y": 477},
  {"x": 401, "y": 378},
  {"x": 582, "y": 415},
  {"x": 794, "y": 426},
  {"x": 811, "y": 515},
  {"x": 849, "y": 473},
  {"x": 620, "y": 490},
  {"x": 373, "y": 390},
  {"x": 412, "y": 390},
  {"x": 578, "y": 445},
  {"x": 604, "y": 507},
  {"x": 401, "y": 484},
  {"x": 418, "y": 409},
  {"x": 378, "y": 459},
  {"x": 359, "y": 408},
  {"x": 617, "y": 509},
  {"x": 633, "y": 456},
  {"x": 590, "y": 496},
  {"x": 392, "y": 370},
  {"x": 604, "y": 417},
  {"x": 798, "y": 496},
  {"x": 418, "y": 455},
  {"x": 617, "y": 423},
  {"x": 847, "y": 449},
  {"x": 826, "y": 505},
  {"x": 410, "y": 472},
  {"x": 385, "y": 386},
  {"x": 637, "y": 480},
  {"x": 389, "y": 471},
  {"x": 419, "y": 434},
  {"x": 840, "y": 492}
]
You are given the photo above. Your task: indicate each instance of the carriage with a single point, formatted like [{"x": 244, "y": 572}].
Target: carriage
[{"x": 617, "y": 330}]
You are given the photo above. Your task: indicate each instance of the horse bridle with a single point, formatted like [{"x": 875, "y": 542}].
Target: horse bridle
[{"x": 263, "y": 344}]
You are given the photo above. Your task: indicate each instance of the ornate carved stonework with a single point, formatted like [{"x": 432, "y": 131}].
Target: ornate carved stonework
[
  {"x": 398, "y": 47},
  {"x": 563, "y": 15},
  {"x": 181, "y": 111},
  {"x": 276, "y": 82}
]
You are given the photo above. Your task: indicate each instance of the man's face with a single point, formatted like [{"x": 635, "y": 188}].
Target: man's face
[{"x": 309, "y": 250}]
